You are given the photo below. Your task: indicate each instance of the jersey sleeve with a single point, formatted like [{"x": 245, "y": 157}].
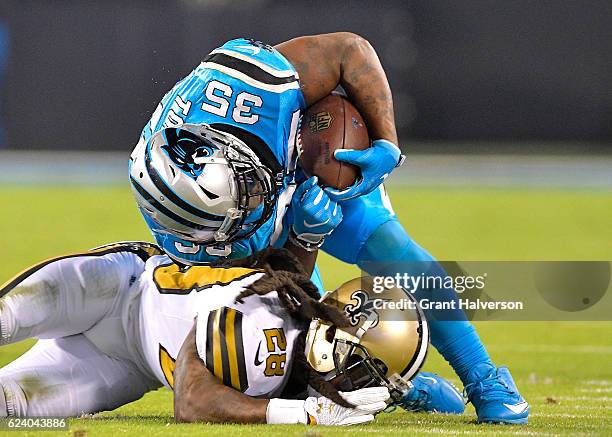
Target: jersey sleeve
[{"x": 246, "y": 347}]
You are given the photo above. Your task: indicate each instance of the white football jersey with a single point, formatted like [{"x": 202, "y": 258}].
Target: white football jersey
[{"x": 247, "y": 345}]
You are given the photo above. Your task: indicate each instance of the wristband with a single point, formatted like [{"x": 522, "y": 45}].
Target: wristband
[
  {"x": 306, "y": 245},
  {"x": 286, "y": 411}
]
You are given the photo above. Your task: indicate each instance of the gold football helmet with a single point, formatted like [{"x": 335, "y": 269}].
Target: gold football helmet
[{"x": 385, "y": 344}]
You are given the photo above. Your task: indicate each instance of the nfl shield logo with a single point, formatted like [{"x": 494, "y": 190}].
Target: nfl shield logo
[{"x": 320, "y": 121}]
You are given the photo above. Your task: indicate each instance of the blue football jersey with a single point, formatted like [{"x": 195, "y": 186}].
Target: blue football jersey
[
  {"x": 244, "y": 84},
  {"x": 250, "y": 90}
]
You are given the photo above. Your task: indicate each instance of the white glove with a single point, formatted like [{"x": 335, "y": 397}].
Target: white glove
[
  {"x": 322, "y": 411},
  {"x": 367, "y": 401}
]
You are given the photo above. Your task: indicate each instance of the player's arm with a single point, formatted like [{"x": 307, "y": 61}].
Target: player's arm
[
  {"x": 308, "y": 258},
  {"x": 201, "y": 397},
  {"x": 315, "y": 216},
  {"x": 325, "y": 61}
]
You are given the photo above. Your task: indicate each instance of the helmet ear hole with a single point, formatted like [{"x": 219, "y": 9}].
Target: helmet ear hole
[{"x": 330, "y": 334}]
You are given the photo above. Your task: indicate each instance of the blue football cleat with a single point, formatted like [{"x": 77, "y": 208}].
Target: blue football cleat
[
  {"x": 433, "y": 394},
  {"x": 495, "y": 396}
]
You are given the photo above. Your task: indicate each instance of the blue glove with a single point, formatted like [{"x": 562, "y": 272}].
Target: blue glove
[
  {"x": 315, "y": 215},
  {"x": 375, "y": 163}
]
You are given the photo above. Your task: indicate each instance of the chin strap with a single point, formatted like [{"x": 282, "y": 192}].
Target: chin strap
[{"x": 231, "y": 216}]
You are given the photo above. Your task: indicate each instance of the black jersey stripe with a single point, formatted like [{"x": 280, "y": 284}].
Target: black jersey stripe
[
  {"x": 226, "y": 376},
  {"x": 143, "y": 249},
  {"x": 242, "y": 371},
  {"x": 210, "y": 364},
  {"x": 251, "y": 70},
  {"x": 170, "y": 195}
]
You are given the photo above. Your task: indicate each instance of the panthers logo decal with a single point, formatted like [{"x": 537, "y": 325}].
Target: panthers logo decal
[
  {"x": 363, "y": 307},
  {"x": 184, "y": 149}
]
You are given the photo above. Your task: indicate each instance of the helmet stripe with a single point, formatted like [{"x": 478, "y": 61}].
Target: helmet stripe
[
  {"x": 161, "y": 185},
  {"x": 161, "y": 208}
]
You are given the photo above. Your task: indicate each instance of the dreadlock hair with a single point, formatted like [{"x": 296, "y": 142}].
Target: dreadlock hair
[{"x": 300, "y": 297}]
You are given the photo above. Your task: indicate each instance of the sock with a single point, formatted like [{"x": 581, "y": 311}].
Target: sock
[
  {"x": 459, "y": 344},
  {"x": 388, "y": 250}
]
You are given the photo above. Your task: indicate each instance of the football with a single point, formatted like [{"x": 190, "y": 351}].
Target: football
[{"x": 330, "y": 124}]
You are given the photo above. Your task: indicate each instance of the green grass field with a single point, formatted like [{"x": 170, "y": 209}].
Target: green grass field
[{"x": 564, "y": 369}]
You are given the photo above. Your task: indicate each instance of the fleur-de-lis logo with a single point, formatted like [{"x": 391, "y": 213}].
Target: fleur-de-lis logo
[{"x": 363, "y": 307}]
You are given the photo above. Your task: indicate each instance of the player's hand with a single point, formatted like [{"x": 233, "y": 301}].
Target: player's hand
[
  {"x": 315, "y": 214},
  {"x": 367, "y": 401},
  {"x": 375, "y": 162}
]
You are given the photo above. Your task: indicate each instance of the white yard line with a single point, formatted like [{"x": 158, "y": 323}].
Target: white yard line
[
  {"x": 482, "y": 431},
  {"x": 566, "y": 415},
  {"x": 597, "y": 382},
  {"x": 596, "y": 390},
  {"x": 582, "y": 407},
  {"x": 585, "y": 398}
]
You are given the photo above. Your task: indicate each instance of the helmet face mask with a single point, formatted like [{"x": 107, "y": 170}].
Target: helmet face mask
[
  {"x": 355, "y": 368},
  {"x": 202, "y": 185},
  {"x": 256, "y": 193},
  {"x": 381, "y": 347}
]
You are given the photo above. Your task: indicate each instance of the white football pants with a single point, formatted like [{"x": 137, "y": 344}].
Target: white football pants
[{"x": 73, "y": 304}]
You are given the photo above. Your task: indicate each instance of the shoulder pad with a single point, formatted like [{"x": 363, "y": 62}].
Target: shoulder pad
[
  {"x": 248, "y": 351},
  {"x": 143, "y": 249}
]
